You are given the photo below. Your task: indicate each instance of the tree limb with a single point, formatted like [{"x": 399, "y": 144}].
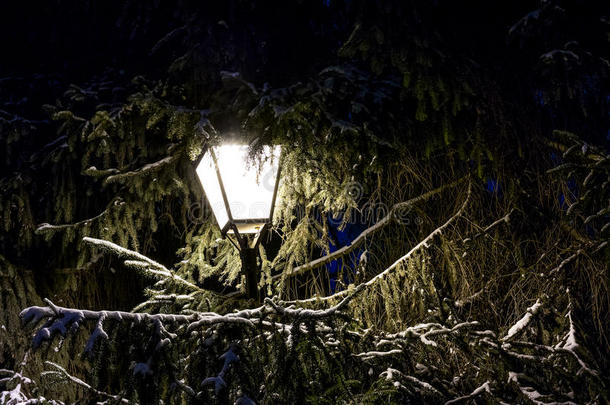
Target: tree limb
[{"x": 369, "y": 231}]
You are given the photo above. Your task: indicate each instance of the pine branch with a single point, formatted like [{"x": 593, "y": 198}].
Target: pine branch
[
  {"x": 391, "y": 374},
  {"x": 61, "y": 372},
  {"x": 139, "y": 261},
  {"x": 46, "y": 227},
  {"x": 422, "y": 244},
  {"x": 523, "y": 322},
  {"x": 367, "y": 232},
  {"x": 423, "y": 332},
  {"x": 477, "y": 392},
  {"x": 315, "y": 314},
  {"x": 146, "y": 169}
]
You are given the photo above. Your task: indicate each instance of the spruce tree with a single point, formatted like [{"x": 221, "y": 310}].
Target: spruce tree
[{"x": 463, "y": 150}]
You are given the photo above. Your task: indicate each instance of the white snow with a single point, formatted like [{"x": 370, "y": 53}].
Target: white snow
[
  {"x": 480, "y": 390},
  {"x": 218, "y": 381},
  {"x": 523, "y": 22},
  {"x": 565, "y": 55},
  {"x": 523, "y": 322},
  {"x": 244, "y": 400},
  {"x": 531, "y": 393}
]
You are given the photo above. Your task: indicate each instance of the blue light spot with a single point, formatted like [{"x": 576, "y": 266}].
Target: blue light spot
[
  {"x": 562, "y": 201},
  {"x": 343, "y": 238},
  {"x": 493, "y": 186},
  {"x": 555, "y": 159},
  {"x": 539, "y": 97}
]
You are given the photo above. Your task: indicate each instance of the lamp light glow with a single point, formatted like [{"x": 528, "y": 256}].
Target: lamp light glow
[{"x": 241, "y": 193}]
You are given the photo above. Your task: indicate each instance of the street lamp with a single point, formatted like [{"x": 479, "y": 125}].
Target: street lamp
[{"x": 242, "y": 197}]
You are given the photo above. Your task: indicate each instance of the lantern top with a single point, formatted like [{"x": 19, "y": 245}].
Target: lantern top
[{"x": 240, "y": 191}]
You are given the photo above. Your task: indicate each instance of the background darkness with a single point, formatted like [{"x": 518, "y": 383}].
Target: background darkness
[{"x": 55, "y": 43}]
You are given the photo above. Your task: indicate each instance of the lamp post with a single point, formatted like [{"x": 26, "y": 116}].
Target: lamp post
[{"x": 242, "y": 197}]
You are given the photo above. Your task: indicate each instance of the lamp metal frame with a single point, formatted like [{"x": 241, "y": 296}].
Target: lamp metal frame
[{"x": 246, "y": 245}]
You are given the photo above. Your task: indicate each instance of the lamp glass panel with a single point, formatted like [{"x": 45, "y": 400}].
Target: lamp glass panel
[
  {"x": 249, "y": 186},
  {"x": 206, "y": 171}
]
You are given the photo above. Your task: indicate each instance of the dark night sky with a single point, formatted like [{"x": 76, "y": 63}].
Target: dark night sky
[{"x": 81, "y": 38}]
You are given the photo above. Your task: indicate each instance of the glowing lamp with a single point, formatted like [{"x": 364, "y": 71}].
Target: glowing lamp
[
  {"x": 242, "y": 196},
  {"x": 241, "y": 193}
]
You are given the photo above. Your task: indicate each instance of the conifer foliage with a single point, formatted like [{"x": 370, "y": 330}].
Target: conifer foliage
[{"x": 465, "y": 146}]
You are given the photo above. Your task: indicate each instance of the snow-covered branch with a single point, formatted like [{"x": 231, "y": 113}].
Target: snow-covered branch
[
  {"x": 46, "y": 227},
  {"x": 316, "y": 314},
  {"x": 61, "y": 320},
  {"x": 531, "y": 393},
  {"x": 229, "y": 358},
  {"x": 425, "y": 331},
  {"x": 478, "y": 391},
  {"x": 523, "y": 322},
  {"x": 367, "y": 232},
  {"x": 422, "y": 244},
  {"x": 138, "y": 261},
  {"x": 14, "y": 395},
  {"x": 393, "y": 374},
  {"x": 18, "y": 387},
  {"x": 146, "y": 169}
]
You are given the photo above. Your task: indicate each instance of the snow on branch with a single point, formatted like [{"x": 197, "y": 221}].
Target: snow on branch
[
  {"x": 523, "y": 322},
  {"x": 61, "y": 320},
  {"x": 479, "y": 391},
  {"x": 425, "y": 331},
  {"x": 97, "y": 333},
  {"x": 375, "y": 354},
  {"x": 422, "y": 244},
  {"x": 391, "y": 374},
  {"x": 367, "y": 232},
  {"x": 569, "y": 345},
  {"x": 248, "y": 316},
  {"x": 166, "y": 299},
  {"x": 138, "y": 261},
  {"x": 229, "y": 357},
  {"x": 46, "y": 227},
  {"x": 504, "y": 220},
  {"x": 211, "y": 320},
  {"x": 122, "y": 252},
  {"x": 146, "y": 169},
  {"x": 17, "y": 395},
  {"x": 531, "y": 393},
  {"x": 319, "y": 313},
  {"x": 565, "y": 262}
]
